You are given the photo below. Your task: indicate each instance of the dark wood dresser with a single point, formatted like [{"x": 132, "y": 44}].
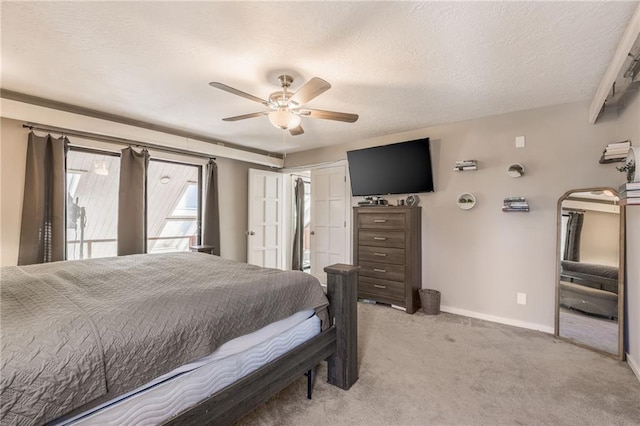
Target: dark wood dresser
[{"x": 387, "y": 245}]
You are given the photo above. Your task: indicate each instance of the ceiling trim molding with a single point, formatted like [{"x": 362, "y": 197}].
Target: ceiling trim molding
[
  {"x": 629, "y": 37},
  {"x": 61, "y": 106},
  {"x": 28, "y": 112},
  {"x": 594, "y": 200},
  {"x": 590, "y": 205}
]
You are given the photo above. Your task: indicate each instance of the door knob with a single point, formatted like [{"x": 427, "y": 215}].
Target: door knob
[
  {"x": 251, "y": 233},
  {"x": 313, "y": 233}
]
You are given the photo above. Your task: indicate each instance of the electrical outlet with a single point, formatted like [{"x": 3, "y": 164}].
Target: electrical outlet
[
  {"x": 519, "y": 141},
  {"x": 522, "y": 299}
]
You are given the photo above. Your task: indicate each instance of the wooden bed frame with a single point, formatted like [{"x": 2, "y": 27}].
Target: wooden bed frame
[
  {"x": 592, "y": 281},
  {"x": 337, "y": 344}
]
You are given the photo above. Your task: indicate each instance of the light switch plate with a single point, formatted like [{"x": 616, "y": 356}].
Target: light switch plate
[
  {"x": 522, "y": 298},
  {"x": 519, "y": 141}
]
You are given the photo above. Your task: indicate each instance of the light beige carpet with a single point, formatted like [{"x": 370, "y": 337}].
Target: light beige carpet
[{"x": 447, "y": 369}]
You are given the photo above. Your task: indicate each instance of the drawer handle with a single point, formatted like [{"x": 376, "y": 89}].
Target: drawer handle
[
  {"x": 379, "y": 286},
  {"x": 380, "y": 254},
  {"x": 380, "y": 220},
  {"x": 380, "y": 238},
  {"x": 379, "y": 270}
]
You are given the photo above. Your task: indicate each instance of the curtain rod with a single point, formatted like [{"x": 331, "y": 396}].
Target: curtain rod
[
  {"x": 113, "y": 139},
  {"x": 300, "y": 176}
]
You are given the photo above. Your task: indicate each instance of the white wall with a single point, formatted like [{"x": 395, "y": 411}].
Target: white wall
[
  {"x": 232, "y": 175},
  {"x": 479, "y": 259},
  {"x": 633, "y": 289},
  {"x": 629, "y": 124},
  {"x": 600, "y": 238}
]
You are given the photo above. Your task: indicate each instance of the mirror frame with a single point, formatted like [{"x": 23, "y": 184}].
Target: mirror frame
[{"x": 621, "y": 274}]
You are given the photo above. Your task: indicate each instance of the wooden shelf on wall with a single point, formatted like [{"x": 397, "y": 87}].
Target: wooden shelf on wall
[
  {"x": 616, "y": 151},
  {"x": 611, "y": 160},
  {"x": 515, "y": 205},
  {"x": 465, "y": 165}
]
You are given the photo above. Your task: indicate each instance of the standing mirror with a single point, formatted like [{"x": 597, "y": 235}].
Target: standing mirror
[{"x": 590, "y": 278}]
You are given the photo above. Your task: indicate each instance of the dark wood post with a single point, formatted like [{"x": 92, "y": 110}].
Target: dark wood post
[{"x": 342, "y": 287}]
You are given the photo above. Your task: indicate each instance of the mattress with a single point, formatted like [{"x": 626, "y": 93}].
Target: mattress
[{"x": 185, "y": 386}]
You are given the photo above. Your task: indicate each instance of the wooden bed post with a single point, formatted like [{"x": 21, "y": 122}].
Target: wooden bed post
[{"x": 342, "y": 288}]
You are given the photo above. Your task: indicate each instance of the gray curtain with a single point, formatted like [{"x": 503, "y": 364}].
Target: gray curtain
[
  {"x": 572, "y": 241},
  {"x": 132, "y": 202},
  {"x": 298, "y": 246},
  {"x": 211, "y": 217},
  {"x": 42, "y": 234}
]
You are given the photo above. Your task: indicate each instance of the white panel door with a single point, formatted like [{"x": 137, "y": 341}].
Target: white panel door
[
  {"x": 329, "y": 231},
  {"x": 265, "y": 227}
]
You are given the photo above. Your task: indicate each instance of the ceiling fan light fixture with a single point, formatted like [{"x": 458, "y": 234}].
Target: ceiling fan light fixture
[
  {"x": 100, "y": 168},
  {"x": 284, "y": 119}
]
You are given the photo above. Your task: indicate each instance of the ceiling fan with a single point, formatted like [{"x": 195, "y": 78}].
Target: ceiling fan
[{"x": 285, "y": 108}]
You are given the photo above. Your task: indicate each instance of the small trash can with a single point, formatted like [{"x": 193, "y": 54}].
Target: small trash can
[{"x": 430, "y": 300}]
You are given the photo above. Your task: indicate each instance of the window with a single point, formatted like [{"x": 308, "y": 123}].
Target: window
[
  {"x": 173, "y": 205},
  {"x": 173, "y": 213},
  {"x": 563, "y": 234},
  {"x": 92, "y": 204}
]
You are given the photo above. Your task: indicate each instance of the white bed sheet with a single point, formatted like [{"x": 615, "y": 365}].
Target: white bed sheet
[{"x": 185, "y": 386}]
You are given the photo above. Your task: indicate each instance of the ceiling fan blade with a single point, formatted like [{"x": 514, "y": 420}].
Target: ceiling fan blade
[
  {"x": 310, "y": 90},
  {"x": 330, "y": 115},
  {"x": 296, "y": 131},
  {"x": 237, "y": 92},
  {"x": 245, "y": 116}
]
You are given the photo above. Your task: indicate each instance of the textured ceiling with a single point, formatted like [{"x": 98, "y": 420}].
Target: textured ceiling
[{"x": 399, "y": 65}]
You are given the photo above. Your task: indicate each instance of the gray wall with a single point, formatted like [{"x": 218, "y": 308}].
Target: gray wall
[
  {"x": 233, "y": 190},
  {"x": 13, "y": 154},
  {"x": 633, "y": 288},
  {"x": 479, "y": 259},
  {"x": 600, "y": 238},
  {"x": 13, "y": 150},
  {"x": 630, "y": 124}
]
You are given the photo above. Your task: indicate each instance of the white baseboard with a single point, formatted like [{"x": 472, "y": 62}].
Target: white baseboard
[
  {"x": 633, "y": 364},
  {"x": 501, "y": 320}
]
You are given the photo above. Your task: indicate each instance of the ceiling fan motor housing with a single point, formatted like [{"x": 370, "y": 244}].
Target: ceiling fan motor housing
[
  {"x": 285, "y": 80},
  {"x": 279, "y": 99}
]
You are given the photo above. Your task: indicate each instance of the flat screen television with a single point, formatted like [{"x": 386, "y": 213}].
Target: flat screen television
[{"x": 399, "y": 168}]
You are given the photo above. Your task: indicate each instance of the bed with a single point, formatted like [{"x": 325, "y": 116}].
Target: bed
[
  {"x": 589, "y": 288},
  {"x": 79, "y": 335}
]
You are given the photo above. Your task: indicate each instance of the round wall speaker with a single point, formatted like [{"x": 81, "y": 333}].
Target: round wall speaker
[{"x": 413, "y": 200}]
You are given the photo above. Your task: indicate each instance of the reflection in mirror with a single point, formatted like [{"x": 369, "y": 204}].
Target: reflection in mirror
[{"x": 588, "y": 310}]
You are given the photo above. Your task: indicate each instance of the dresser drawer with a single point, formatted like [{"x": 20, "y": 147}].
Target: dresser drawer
[
  {"x": 377, "y": 238},
  {"x": 383, "y": 271},
  {"x": 380, "y": 289},
  {"x": 381, "y": 220},
  {"x": 381, "y": 254}
]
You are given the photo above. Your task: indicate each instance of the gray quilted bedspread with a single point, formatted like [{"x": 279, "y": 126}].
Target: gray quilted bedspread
[{"x": 76, "y": 331}]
